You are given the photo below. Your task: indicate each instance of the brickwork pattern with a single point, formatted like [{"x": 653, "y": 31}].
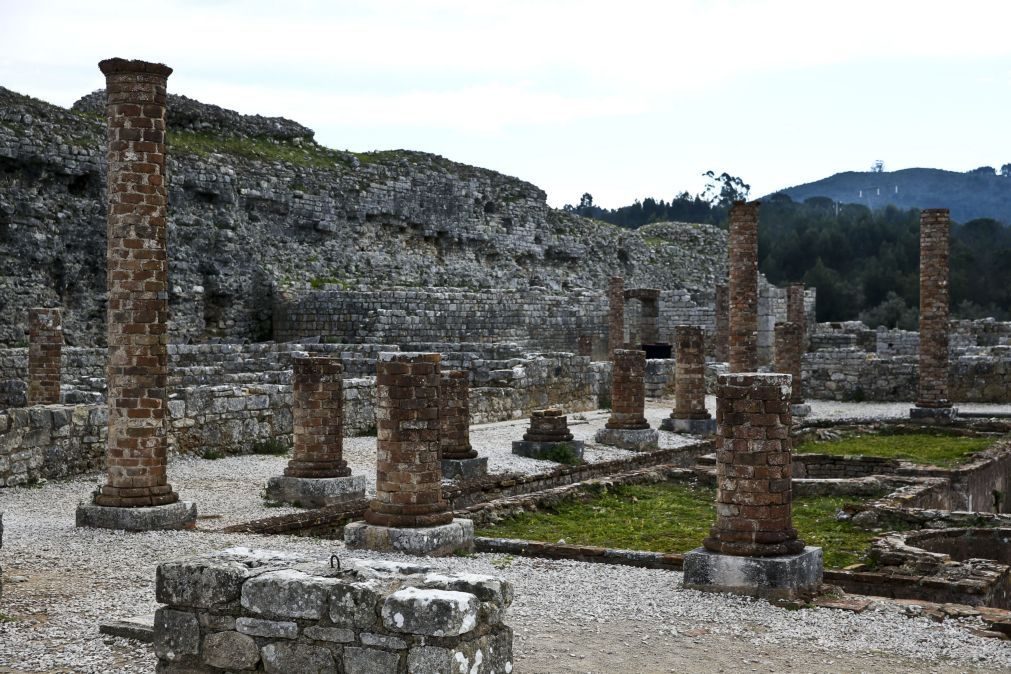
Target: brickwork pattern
[
  {"x": 721, "y": 338},
  {"x": 690, "y": 375},
  {"x": 548, "y": 426},
  {"x": 45, "y": 347},
  {"x": 932, "y": 390},
  {"x": 408, "y": 472},
  {"x": 628, "y": 392},
  {"x": 615, "y": 314},
  {"x": 317, "y": 418},
  {"x": 137, "y": 271},
  {"x": 454, "y": 416},
  {"x": 754, "y": 492},
  {"x": 796, "y": 312},
  {"x": 742, "y": 246},
  {"x": 789, "y": 351}
]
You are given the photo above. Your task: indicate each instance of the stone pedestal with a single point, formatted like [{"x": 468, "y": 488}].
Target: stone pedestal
[
  {"x": 689, "y": 426},
  {"x": 548, "y": 436},
  {"x": 690, "y": 414},
  {"x": 635, "y": 440},
  {"x": 742, "y": 249},
  {"x": 938, "y": 415},
  {"x": 465, "y": 469},
  {"x": 801, "y": 410},
  {"x": 439, "y": 541},
  {"x": 786, "y": 577},
  {"x": 627, "y": 427},
  {"x": 137, "y": 307},
  {"x": 316, "y": 492},
  {"x": 459, "y": 459}
]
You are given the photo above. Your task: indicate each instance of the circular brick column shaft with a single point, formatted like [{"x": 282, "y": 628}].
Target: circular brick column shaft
[
  {"x": 408, "y": 472},
  {"x": 753, "y": 471},
  {"x": 742, "y": 245},
  {"x": 137, "y": 270},
  {"x": 628, "y": 391},
  {"x": 796, "y": 312},
  {"x": 454, "y": 416},
  {"x": 932, "y": 389},
  {"x": 615, "y": 314},
  {"x": 721, "y": 349},
  {"x": 45, "y": 347},
  {"x": 789, "y": 350},
  {"x": 317, "y": 418},
  {"x": 689, "y": 374}
]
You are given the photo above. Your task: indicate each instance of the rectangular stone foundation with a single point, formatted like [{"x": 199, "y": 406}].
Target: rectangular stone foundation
[
  {"x": 544, "y": 450},
  {"x": 316, "y": 492},
  {"x": 178, "y": 515},
  {"x": 464, "y": 469},
  {"x": 689, "y": 426},
  {"x": 782, "y": 577},
  {"x": 439, "y": 541},
  {"x": 936, "y": 415},
  {"x": 258, "y": 610},
  {"x": 636, "y": 440}
]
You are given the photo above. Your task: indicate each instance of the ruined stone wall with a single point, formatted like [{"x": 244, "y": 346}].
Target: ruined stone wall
[
  {"x": 51, "y": 441},
  {"x": 772, "y": 309}
]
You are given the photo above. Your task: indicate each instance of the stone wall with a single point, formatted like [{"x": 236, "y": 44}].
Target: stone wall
[
  {"x": 259, "y": 610},
  {"x": 51, "y": 441}
]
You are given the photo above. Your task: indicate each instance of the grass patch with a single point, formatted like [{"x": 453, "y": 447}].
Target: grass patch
[
  {"x": 675, "y": 517},
  {"x": 272, "y": 446},
  {"x": 212, "y": 455},
  {"x": 561, "y": 453},
  {"x": 321, "y": 282},
  {"x": 922, "y": 448},
  {"x": 261, "y": 149},
  {"x": 4, "y": 618}
]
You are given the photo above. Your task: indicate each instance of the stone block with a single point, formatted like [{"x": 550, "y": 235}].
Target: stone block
[
  {"x": 689, "y": 426},
  {"x": 176, "y": 634},
  {"x": 464, "y": 469},
  {"x": 287, "y": 593},
  {"x": 178, "y": 515},
  {"x": 316, "y": 492},
  {"x": 257, "y": 627},
  {"x": 438, "y": 541},
  {"x": 282, "y": 658},
  {"x": 782, "y": 577},
  {"x": 935, "y": 415},
  {"x": 544, "y": 450},
  {"x": 435, "y": 613},
  {"x": 230, "y": 650},
  {"x": 636, "y": 440},
  {"x": 370, "y": 661},
  {"x": 800, "y": 410}
]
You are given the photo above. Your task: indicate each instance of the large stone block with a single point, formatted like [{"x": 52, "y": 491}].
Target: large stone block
[
  {"x": 282, "y": 658},
  {"x": 782, "y": 577},
  {"x": 316, "y": 492},
  {"x": 177, "y": 633},
  {"x": 436, "y": 613},
  {"x": 288, "y": 593},
  {"x": 447, "y": 539},
  {"x": 178, "y": 515},
  {"x": 230, "y": 650}
]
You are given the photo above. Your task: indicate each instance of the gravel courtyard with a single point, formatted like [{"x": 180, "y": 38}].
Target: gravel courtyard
[{"x": 61, "y": 582}]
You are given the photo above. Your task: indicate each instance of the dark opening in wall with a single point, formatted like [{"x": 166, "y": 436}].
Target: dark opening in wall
[{"x": 490, "y": 207}]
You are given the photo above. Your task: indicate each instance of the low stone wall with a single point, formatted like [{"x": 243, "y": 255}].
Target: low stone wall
[
  {"x": 258, "y": 610},
  {"x": 51, "y": 441},
  {"x": 827, "y": 466}
]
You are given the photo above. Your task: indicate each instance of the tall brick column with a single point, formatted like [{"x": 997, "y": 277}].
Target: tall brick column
[
  {"x": 690, "y": 414},
  {"x": 932, "y": 390},
  {"x": 459, "y": 459},
  {"x": 721, "y": 349},
  {"x": 753, "y": 547},
  {"x": 137, "y": 308},
  {"x": 45, "y": 346},
  {"x": 317, "y": 474},
  {"x": 743, "y": 265},
  {"x": 627, "y": 426},
  {"x": 789, "y": 353},
  {"x": 795, "y": 311},
  {"x": 616, "y": 314},
  {"x": 408, "y": 474}
]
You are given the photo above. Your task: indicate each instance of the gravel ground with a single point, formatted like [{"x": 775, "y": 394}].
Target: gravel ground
[{"x": 568, "y": 616}]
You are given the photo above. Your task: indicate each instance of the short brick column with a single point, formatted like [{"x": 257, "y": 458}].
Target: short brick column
[
  {"x": 137, "y": 308},
  {"x": 627, "y": 427},
  {"x": 548, "y": 438},
  {"x": 459, "y": 459},
  {"x": 408, "y": 473},
  {"x": 753, "y": 548},
  {"x": 317, "y": 474},
  {"x": 615, "y": 314},
  {"x": 45, "y": 347},
  {"x": 742, "y": 245},
  {"x": 789, "y": 354},
  {"x": 932, "y": 390},
  {"x": 721, "y": 348},
  {"x": 690, "y": 414}
]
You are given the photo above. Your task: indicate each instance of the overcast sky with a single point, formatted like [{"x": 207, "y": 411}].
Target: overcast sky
[{"x": 622, "y": 99}]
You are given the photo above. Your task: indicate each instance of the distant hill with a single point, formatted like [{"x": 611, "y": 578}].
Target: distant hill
[{"x": 976, "y": 194}]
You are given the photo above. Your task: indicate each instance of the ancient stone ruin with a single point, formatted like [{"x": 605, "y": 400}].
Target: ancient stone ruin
[
  {"x": 548, "y": 437},
  {"x": 627, "y": 427},
  {"x": 45, "y": 346},
  {"x": 690, "y": 414},
  {"x": 459, "y": 459},
  {"x": 742, "y": 244}
]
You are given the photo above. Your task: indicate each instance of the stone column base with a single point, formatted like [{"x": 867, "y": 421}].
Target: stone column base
[
  {"x": 547, "y": 450},
  {"x": 785, "y": 577},
  {"x": 937, "y": 415},
  {"x": 440, "y": 541},
  {"x": 316, "y": 492},
  {"x": 638, "y": 440},
  {"x": 689, "y": 426},
  {"x": 178, "y": 515},
  {"x": 464, "y": 469},
  {"x": 800, "y": 409}
]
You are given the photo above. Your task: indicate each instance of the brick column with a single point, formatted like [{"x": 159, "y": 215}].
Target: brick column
[
  {"x": 616, "y": 314},
  {"x": 137, "y": 312},
  {"x": 753, "y": 471},
  {"x": 45, "y": 346},
  {"x": 795, "y": 311},
  {"x": 932, "y": 391},
  {"x": 628, "y": 390},
  {"x": 690, "y": 414},
  {"x": 584, "y": 346},
  {"x": 721, "y": 350},
  {"x": 788, "y": 357},
  {"x": 408, "y": 474},
  {"x": 454, "y": 416},
  {"x": 743, "y": 264},
  {"x": 317, "y": 418}
]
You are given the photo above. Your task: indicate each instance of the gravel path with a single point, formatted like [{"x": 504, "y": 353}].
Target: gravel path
[{"x": 568, "y": 616}]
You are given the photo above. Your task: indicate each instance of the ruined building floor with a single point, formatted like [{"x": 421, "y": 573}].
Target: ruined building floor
[{"x": 568, "y": 616}]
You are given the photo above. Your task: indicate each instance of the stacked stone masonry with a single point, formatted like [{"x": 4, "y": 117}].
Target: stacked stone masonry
[
  {"x": 789, "y": 352},
  {"x": 454, "y": 416},
  {"x": 742, "y": 248},
  {"x": 45, "y": 346},
  {"x": 628, "y": 394},
  {"x": 690, "y": 383},
  {"x": 753, "y": 469},
  {"x": 258, "y": 610},
  {"x": 318, "y": 419},
  {"x": 932, "y": 391}
]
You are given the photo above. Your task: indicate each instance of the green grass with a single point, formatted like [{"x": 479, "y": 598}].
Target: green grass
[
  {"x": 922, "y": 448},
  {"x": 674, "y": 517},
  {"x": 321, "y": 282},
  {"x": 202, "y": 144}
]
